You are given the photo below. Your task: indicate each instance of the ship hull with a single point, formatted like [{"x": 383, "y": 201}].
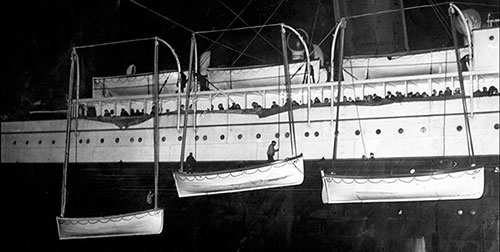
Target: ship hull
[{"x": 293, "y": 217}]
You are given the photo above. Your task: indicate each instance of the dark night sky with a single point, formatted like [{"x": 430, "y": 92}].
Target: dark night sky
[{"x": 38, "y": 35}]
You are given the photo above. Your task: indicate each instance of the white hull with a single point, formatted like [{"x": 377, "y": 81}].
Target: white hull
[
  {"x": 140, "y": 223},
  {"x": 288, "y": 172},
  {"x": 453, "y": 185}
]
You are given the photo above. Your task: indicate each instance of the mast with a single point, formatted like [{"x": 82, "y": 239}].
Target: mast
[
  {"x": 341, "y": 59},
  {"x": 288, "y": 92},
  {"x": 452, "y": 11},
  {"x": 156, "y": 135},
  {"x": 186, "y": 106},
  {"x": 405, "y": 31},
  {"x": 68, "y": 133}
]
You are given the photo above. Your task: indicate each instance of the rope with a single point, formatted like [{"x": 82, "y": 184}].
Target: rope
[
  {"x": 357, "y": 114},
  {"x": 315, "y": 20},
  {"x": 242, "y": 20},
  {"x": 229, "y": 25},
  {"x": 251, "y": 41},
  {"x": 192, "y": 31}
]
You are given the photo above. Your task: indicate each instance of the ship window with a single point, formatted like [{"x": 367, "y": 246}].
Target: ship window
[
  {"x": 222, "y": 137},
  {"x": 287, "y": 135},
  {"x": 80, "y": 141},
  {"x": 497, "y": 126},
  {"x": 117, "y": 140},
  {"x": 88, "y": 141},
  {"x": 401, "y": 130},
  {"x": 240, "y": 136},
  {"x": 14, "y": 143},
  {"x": 179, "y": 138},
  {"x": 258, "y": 135},
  {"x": 205, "y": 137},
  {"x": 131, "y": 139},
  {"x": 306, "y": 134},
  {"x": 316, "y": 134},
  {"x": 140, "y": 139},
  {"x": 492, "y": 38},
  {"x": 423, "y": 129},
  {"x": 459, "y": 128},
  {"x": 40, "y": 142},
  {"x": 357, "y": 132},
  {"x": 102, "y": 140},
  {"x": 277, "y": 135},
  {"x": 27, "y": 142},
  {"x": 163, "y": 139},
  {"x": 53, "y": 141},
  {"x": 378, "y": 131},
  {"x": 196, "y": 137}
]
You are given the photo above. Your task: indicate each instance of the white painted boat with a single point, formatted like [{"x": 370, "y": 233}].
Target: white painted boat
[
  {"x": 148, "y": 222},
  {"x": 452, "y": 185},
  {"x": 287, "y": 172}
]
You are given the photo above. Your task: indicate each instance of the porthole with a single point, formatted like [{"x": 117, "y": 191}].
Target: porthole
[
  {"x": 423, "y": 129},
  {"x": 140, "y": 139},
  {"x": 80, "y": 141},
  {"x": 222, "y": 137},
  {"x": 357, "y": 132},
  {"x": 196, "y": 137},
  {"x": 102, "y": 140},
  {"x": 459, "y": 128},
  {"x": 492, "y": 38},
  {"x": 205, "y": 137},
  {"x": 277, "y": 135},
  {"x": 497, "y": 126},
  {"x": 258, "y": 136},
  {"x": 87, "y": 141},
  {"x": 39, "y": 141},
  {"x": 240, "y": 136},
  {"x": 401, "y": 130},
  {"x": 163, "y": 139},
  {"x": 53, "y": 141},
  {"x": 179, "y": 138},
  {"x": 316, "y": 134},
  {"x": 14, "y": 143},
  {"x": 27, "y": 142},
  {"x": 132, "y": 139},
  {"x": 287, "y": 135},
  {"x": 306, "y": 134},
  {"x": 117, "y": 140},
  {"x": 378, "y": 131}
]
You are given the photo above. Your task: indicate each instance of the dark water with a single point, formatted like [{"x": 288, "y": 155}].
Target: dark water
[{"x": 286, "y": 219}]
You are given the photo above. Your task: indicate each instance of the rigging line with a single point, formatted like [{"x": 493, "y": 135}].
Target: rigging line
[
  {"x": 229, "y": 25},
  {"x": 444, "y": 104},
  {"x": 395, "y": 10},
  {"x": 328, "y": 34},
  {"x": 113, "y": 43},
  {"x": 357, "y": 114},
  {"x": 251, "y": 41},
  {"x": 192, "y": 31},
  {"x": 315, "y": 20},
  {"x": 238, "y": 16},
  {"x": 475, "y": 4},
  {"x": 440, "y": 16}
]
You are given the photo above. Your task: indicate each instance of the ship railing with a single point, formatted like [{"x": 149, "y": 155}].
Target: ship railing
[{"x": 265, "y": 95}]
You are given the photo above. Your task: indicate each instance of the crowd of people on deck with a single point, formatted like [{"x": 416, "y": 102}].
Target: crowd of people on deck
[{"x": 371, "y": 98}]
